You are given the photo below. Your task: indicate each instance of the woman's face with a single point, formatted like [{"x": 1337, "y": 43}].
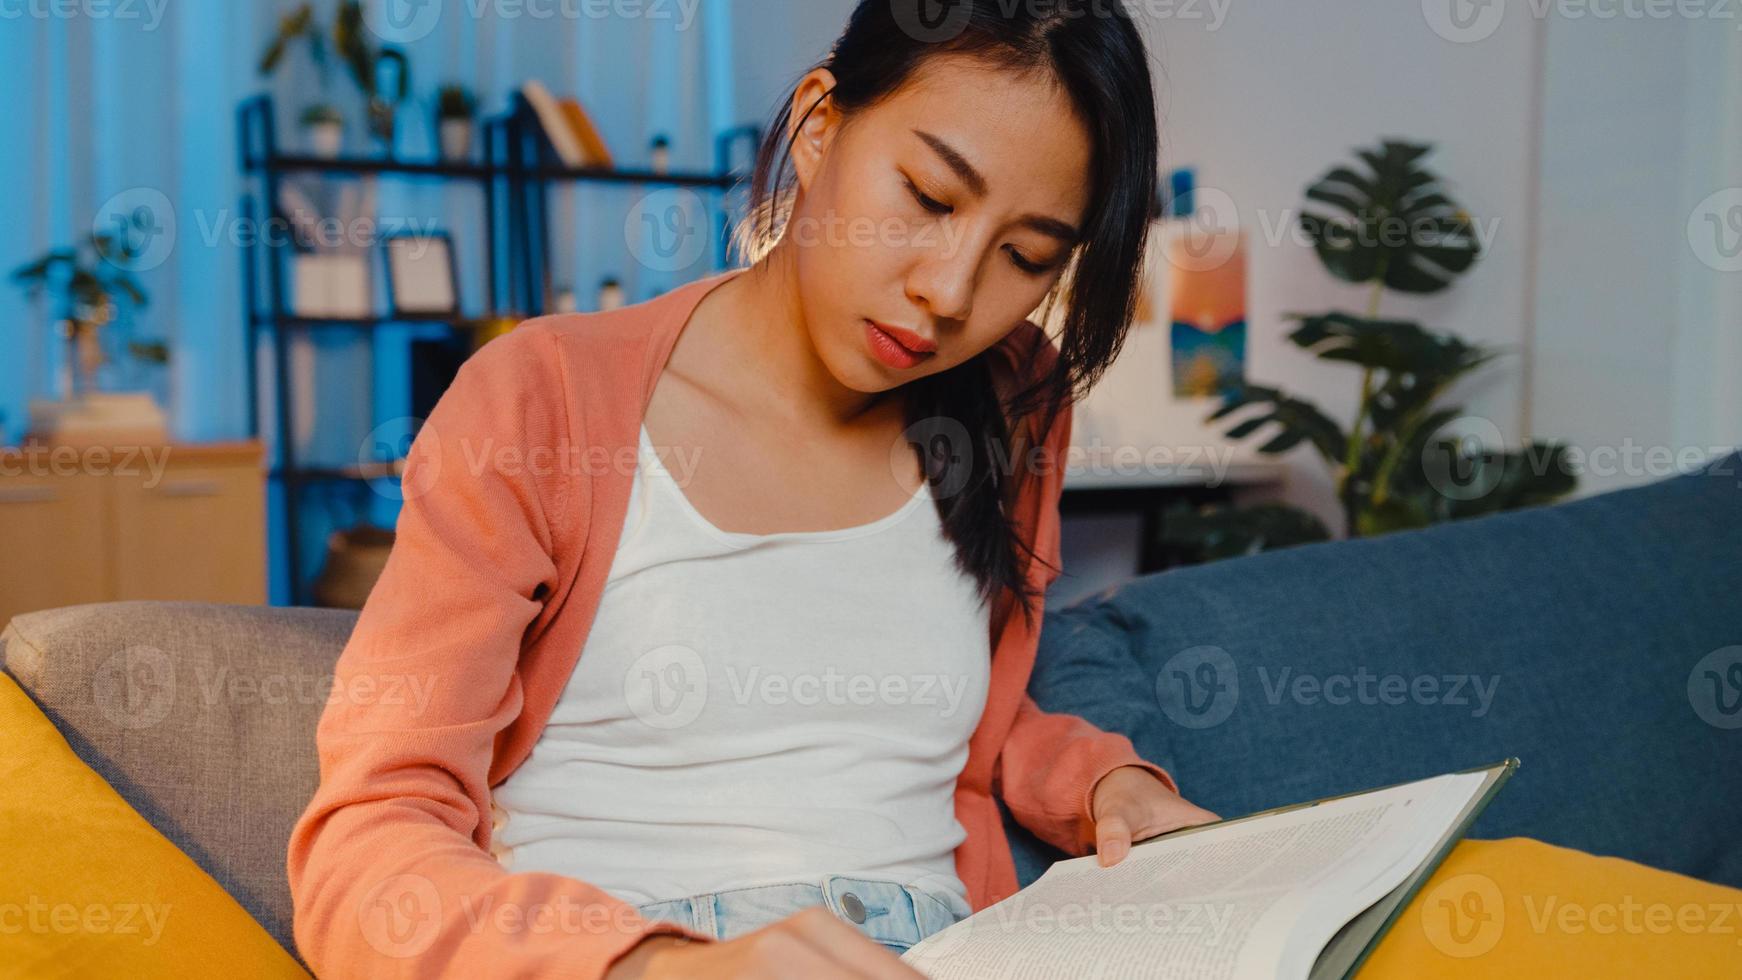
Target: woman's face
[{"x": 947, "y": 211}]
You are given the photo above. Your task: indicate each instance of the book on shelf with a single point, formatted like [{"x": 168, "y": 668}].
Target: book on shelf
[
  {"x": 1304, "y": 892},
  {"x": 570, "y": 130}
]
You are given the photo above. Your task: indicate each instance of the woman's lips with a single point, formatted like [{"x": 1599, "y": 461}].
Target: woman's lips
[{"x": 890, "y": 345}]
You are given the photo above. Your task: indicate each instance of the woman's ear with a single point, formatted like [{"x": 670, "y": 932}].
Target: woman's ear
[{"x": 815, "y": 121}]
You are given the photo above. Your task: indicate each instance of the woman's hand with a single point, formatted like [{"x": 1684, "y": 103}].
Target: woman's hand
[
  {"x": 1130, "y": 803},
  {"x": 811, "y": 943}
]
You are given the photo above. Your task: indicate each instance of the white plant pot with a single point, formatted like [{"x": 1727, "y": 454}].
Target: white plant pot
[
  {"x": 456, "y": 139},
  {"x": 325, "y": 139}
]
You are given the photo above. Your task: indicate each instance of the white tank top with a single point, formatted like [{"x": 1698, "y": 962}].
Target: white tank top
[{"x": 758, "y": 708}]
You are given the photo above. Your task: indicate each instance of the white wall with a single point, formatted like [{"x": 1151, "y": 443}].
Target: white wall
[{"x": 1638, "y": 351}]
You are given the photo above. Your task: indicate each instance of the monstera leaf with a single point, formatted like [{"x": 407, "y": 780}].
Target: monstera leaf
[
  {"x": 1391, "y": 223},
  {"x": 1297, "y": 421}
]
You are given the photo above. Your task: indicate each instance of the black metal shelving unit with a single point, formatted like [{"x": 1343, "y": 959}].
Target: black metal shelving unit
[{"x": 517, "y": 169}]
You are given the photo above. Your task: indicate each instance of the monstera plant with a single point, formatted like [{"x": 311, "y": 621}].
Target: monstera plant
[{"x": 1386, "y": 223}]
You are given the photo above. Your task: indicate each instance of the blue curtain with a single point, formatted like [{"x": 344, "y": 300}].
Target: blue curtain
[{"x": 130, "y": 103}]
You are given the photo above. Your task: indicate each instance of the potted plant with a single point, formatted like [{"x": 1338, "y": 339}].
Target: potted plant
[
  {"x": 456, "y": 107},
  {"x": 1392, "y": 225},
  {"x": 382, "y": 74},
  {"x": 323, "y": 130},
  {"x": 92, "y": 287}
]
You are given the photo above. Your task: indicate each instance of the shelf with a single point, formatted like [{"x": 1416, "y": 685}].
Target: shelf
[
  {"x": 358, "y": 473},
  {"x": 365, "y": 166},
  {"x": 618, "y": 176},
  {"x": 295, "y": 322}
]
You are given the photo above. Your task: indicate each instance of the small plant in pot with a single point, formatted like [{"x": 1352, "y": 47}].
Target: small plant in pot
[
  {"x": 456, "y": 108},
  {"x": 323, "y": 130}
]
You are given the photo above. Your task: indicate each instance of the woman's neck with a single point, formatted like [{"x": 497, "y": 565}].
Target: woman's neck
[{"x": 756, "y": 343}]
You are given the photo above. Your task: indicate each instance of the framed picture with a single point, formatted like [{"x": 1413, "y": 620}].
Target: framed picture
[{"x": 422, "y": 280}]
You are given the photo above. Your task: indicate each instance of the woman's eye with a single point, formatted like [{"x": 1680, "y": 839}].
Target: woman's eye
[
  {"x": 931, "y": 204},
  {"x": 1032, "y": 268}
]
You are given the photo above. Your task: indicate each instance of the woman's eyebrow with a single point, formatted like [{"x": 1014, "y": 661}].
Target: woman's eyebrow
[{"x": 977, "y": 185}]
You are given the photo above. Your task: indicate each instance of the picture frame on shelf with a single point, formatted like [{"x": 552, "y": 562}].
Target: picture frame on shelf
[{"x": 421, "y": 275}]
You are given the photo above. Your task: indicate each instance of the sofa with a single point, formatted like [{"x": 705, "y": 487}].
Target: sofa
[{"x": 1594, "y": 641}]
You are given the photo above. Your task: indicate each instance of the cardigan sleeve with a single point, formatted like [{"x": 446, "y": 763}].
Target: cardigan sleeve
[
  {"x": 387, "y": 866},
  {"x": 1050, "y": 763}
]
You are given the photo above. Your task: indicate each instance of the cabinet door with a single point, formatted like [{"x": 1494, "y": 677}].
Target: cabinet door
[
  {"x": 52, "y": 540},
  {"x": 195, "y": 532}
]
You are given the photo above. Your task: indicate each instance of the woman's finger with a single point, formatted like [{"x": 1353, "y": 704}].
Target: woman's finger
[{"x": 1112, "y": 839}]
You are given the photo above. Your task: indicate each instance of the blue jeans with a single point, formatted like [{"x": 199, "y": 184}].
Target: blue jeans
[{"x": 886, "y": 912}]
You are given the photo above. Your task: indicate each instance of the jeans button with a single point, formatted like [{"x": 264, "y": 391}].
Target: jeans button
[{"x": 854, "y": 908}]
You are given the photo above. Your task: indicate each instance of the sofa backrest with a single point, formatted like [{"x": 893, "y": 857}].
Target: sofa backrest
[
  {"x": 1600, "y": 641},
  {"x": 202, "y": 716}
]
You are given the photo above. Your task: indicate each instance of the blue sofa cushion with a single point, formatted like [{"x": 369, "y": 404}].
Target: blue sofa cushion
[{"x": 1600, "y": 641}]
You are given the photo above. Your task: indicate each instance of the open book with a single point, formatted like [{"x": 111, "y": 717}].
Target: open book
[{"x": 1303, "y": 891}]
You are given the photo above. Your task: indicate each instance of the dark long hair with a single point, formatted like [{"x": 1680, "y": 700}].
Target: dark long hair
[{"x": 1094, "y": 50}]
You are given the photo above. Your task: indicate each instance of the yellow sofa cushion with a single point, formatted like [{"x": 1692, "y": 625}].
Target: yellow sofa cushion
[
  {"x": 1522, "y": 908},
  {"x": 89, "y": 888}
]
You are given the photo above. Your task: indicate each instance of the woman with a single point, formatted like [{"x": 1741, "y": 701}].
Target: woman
[{"x": 806, "y": 644}]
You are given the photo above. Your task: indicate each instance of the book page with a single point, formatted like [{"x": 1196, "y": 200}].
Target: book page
[{"x": 1225, "y": 901}]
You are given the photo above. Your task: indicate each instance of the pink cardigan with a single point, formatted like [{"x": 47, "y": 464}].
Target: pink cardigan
[{"x": 515, "y": 493}]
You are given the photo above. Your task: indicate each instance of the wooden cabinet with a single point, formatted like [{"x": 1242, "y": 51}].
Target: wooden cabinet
[{"x": 91, "y": 524}]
